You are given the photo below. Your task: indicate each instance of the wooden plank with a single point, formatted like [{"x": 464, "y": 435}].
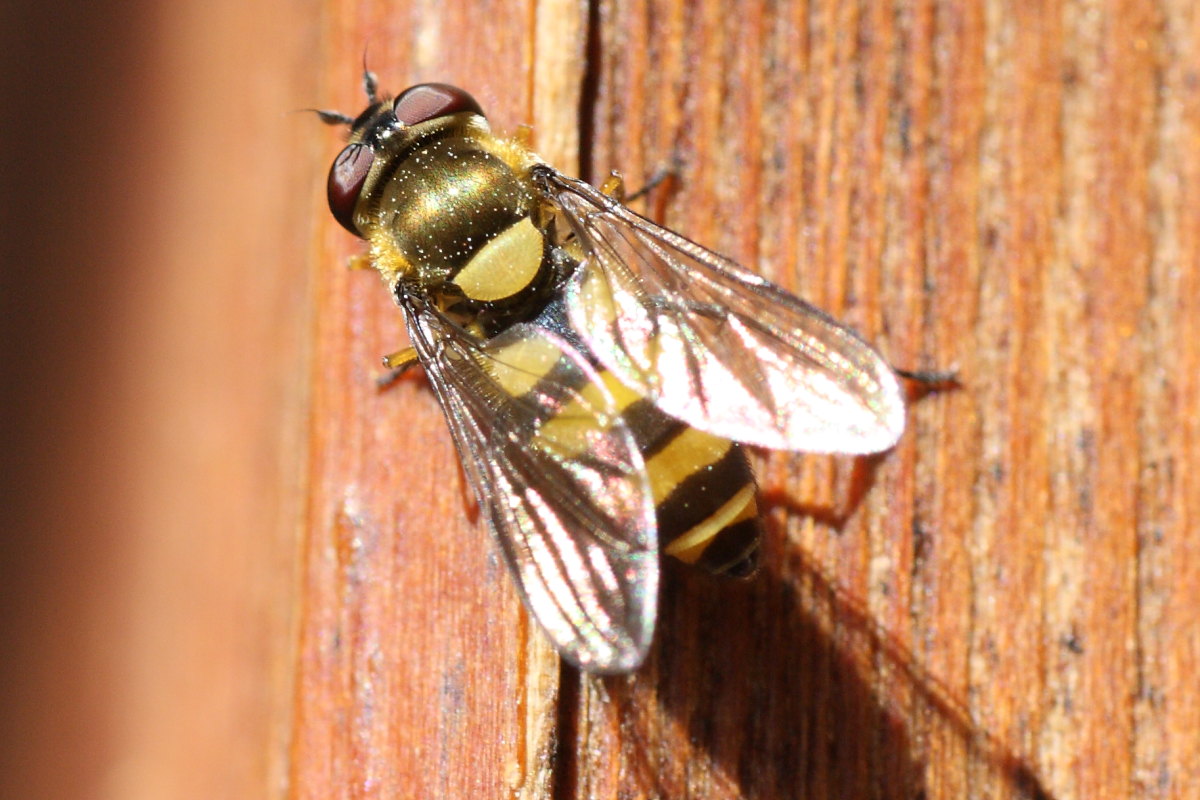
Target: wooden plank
[
  {"x": 1005, "y": 605},
  {"x": 418, "y": 672},
  {"x": 998, "y": 189},
  {"x": 240, "y": 570}
]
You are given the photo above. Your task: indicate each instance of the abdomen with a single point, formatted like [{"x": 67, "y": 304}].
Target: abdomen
[
  {"x": 705, "y": 496},
  {"x": 704, "y": 491}
]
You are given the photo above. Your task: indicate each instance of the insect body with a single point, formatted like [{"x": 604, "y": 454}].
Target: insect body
[{"x": 597, "y": 371}]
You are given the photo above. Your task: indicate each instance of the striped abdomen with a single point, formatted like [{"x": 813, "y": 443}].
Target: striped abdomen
[
  {"x": 704, "y": 491},
  {"x": 702, "y": 485}
]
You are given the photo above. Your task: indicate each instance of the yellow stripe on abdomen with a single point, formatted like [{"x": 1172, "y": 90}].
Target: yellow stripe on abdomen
[
  {"x": 518, "y": 366},
  {"x": 690, "y": 546},
  {"x": 569, "y": 428},
  {"x": 690, "y": 451},
  {"x": 706, "y": 500}
]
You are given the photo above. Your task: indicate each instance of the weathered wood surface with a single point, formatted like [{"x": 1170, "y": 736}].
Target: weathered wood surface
[
  {"x": 239, "y": 570},
  {"x": 248, "y": 573},
  {"x": 1008, "y": 604}
]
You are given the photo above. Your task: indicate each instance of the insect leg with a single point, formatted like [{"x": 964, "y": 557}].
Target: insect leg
[
  {"x": 933, "y": 380},
  {"x": 614, "y": 186},
  {"x": 397, "y": 363},
  {"x": 929, "y": 381},
  {"x": 665, "y": 171}
]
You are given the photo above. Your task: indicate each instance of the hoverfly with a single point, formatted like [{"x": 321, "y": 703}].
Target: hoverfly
[{"x": 599, "y": 373}]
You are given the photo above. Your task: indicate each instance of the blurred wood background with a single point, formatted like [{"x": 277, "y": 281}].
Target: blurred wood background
[{"x": 237, "y": 569}]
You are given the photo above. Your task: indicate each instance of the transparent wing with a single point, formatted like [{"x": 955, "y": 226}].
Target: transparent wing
[
  {"x": 715, "y": 345},
  {"x": 559, "y": 479}
]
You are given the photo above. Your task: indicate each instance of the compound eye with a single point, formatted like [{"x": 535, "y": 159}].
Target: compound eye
[
  {"x": 346, "y": 179},
  {"x": 432, "y": 100}
]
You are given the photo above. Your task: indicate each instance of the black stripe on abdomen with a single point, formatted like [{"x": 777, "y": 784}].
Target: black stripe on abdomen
[
  {"x": 703, "y": 488},
  {"x": 704, "y": 492}
]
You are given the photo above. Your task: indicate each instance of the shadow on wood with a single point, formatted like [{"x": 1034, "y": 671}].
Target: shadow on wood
[{"x": 796, "y": 719}]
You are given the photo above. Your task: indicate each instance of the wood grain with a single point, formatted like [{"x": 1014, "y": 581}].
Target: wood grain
[
  {"x": 1003, "y": 606},
  {"x": 417, "y": 673},
  {"x": 238, "y": 569}
]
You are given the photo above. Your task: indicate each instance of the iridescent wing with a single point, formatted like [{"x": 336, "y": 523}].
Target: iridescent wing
[
  {"x": 559, "y": 479},
  {"x": 713, "y": 344}
]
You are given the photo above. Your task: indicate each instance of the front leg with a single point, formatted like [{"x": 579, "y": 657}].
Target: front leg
[
  {"x": 397, "y": 364},
  {"x": 614, "y": 184}
]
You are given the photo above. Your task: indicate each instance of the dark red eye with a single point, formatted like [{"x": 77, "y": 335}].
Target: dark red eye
[
  {"x": 431, "y": 100},
  {"x": 346, "y": 178}
]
